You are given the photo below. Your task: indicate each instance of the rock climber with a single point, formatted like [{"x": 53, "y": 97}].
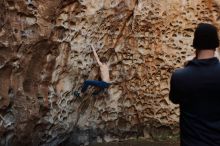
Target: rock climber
[{"x": 104, "y": 70}]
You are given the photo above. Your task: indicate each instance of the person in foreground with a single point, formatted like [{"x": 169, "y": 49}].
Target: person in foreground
[
  {"x": 196, "y": 88},
  {"x": 104, "y": 70}
]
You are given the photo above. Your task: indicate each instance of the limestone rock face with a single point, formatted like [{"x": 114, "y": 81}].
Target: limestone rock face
[{"x": 45, "y": 55}]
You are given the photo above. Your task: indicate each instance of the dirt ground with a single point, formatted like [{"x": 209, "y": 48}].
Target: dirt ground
[{"x": 139, "y": 143}]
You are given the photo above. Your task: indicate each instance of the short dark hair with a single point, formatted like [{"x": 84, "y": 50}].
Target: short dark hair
[
  {"x": 103, "y": 60},
  {"x": 205, "y": 37}
]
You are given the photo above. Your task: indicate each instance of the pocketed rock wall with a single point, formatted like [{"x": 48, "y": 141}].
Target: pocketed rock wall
[{"x": 45, "y": 56}]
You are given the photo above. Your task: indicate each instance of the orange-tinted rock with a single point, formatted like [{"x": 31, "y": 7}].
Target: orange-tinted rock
[{"x": 45, "y": 56}]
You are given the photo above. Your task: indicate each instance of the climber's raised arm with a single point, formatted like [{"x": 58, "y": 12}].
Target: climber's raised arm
[{"x": 96, "y": 55}]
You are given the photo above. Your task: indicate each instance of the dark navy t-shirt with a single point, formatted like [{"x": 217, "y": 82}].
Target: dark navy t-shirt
[{"x": 197, "y": 89}]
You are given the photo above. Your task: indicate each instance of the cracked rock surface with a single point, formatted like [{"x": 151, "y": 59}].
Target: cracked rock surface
[{"x": 45, "y": 57}]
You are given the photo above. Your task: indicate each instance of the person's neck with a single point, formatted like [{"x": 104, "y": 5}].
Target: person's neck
[{"x": 205, "y": 54}]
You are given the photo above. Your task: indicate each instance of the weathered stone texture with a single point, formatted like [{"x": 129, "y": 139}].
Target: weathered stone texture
[{"x": 45, "y": 55}]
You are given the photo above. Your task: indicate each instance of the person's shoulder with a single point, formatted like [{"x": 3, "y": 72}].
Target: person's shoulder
[
  {"x": 217, "y": 67},
  {"x": 104, "y": 65},
  {"x": 218, "y": 63},
  {"x": 180, "y": 72}
]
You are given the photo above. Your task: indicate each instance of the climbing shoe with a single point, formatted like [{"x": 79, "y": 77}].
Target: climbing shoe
[{"x": 76, "y": 93}]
